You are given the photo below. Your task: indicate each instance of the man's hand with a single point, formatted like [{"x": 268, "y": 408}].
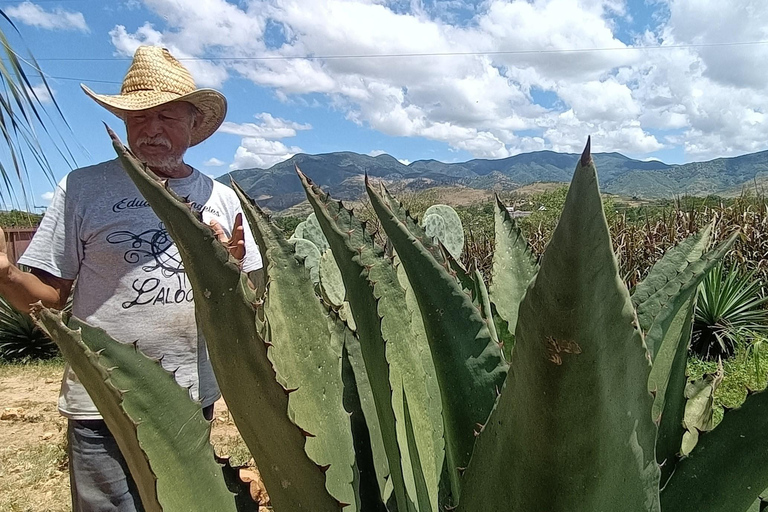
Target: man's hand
[
  {"x": 236, "y": 244},
  {"x": 22, "y": 289}
]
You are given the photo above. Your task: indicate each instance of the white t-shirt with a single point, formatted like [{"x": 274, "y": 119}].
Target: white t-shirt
[{"x": 130, "y": 278}]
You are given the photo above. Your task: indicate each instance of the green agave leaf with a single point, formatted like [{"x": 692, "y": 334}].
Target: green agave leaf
[
  {"x": 671, "y": 282},
  {"x": 666, "y": 317},
  {"x": 310, "y": 255},
  {"x": 419, "y": 340},
  {"x": 258, "y": 403},
  {"x": 514, "y": 265},
  {"x": 422, "y": 491},
  {"x": 674, "y": 261},
  {"x": 572, "y": 430},
  {"x": 331, "y": 280},
  {"x": 371, "y": 466},
  {"x": 700, "y": 408},
  {"x": 392, "y": 357},
  {"x": 160, "y": 430},
  {"x": 305, "y": 352},
  {"x": 669, "y": 402},
  {"x": 471, "y": 282},
  {"x": 469, "y": 363},
  {"x": 726, "y": 471}
]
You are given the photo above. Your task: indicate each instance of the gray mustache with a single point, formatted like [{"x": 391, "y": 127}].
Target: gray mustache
[{"x": 155, "y": 141}]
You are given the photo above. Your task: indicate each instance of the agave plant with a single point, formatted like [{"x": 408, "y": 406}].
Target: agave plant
[
  {"x": 415, "y": 407},
  {"x": 730, "y": 304},
  {"x": 20, "y": 338}
]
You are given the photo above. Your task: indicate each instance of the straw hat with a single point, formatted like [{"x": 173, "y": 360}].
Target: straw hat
[{"x": 156, "y": 77}]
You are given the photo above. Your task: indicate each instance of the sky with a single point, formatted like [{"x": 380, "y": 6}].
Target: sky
[{"x": 451, "y": 80}]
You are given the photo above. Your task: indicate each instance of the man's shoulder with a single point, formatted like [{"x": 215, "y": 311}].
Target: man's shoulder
[
  {"x": 97, "y": 176},
  {"x": 108, "y": 168},
  {"x": 223, "y": 191}
]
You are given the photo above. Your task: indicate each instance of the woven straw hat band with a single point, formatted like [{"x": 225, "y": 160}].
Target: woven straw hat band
[
  {"x": 155, "y": 69},
  {"x": 155, "y": 78}
]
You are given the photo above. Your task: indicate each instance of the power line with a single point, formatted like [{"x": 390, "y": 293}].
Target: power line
[
  {"x": 424, "y": 54},
  {"x": 93, "y": 80}
]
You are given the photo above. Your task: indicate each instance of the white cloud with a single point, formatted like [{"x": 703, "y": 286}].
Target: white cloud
[
  {"x": 205, "y": 73},
  {"x": 472, "y": 84},
  {"x": 47, "y": 196},
  {"x": 213, "y": 162},
  {"x": 269, "y": 128},
  {"x": 377, "y": 152},
  {"x": 42, "y": 93},
  {"x": 32, "y": 14},
  {"x": 261, "y": 153},
  {"x": 404, "y": 161}
]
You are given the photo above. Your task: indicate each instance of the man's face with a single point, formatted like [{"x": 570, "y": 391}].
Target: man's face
[{"x": 160, "y": 136}]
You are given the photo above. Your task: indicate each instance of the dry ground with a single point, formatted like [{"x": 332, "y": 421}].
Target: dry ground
[{"x": 33, "y": 461}]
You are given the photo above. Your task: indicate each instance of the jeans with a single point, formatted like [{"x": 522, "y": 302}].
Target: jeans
[{"x": 98, "y": 474}]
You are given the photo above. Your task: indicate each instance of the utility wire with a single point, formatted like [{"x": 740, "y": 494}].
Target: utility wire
[
  {"x": 425, "y": 54},
  {"x": 365, "y": 56}
]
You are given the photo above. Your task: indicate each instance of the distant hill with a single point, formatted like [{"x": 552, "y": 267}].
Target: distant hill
[{"x": 342, "y": 174}]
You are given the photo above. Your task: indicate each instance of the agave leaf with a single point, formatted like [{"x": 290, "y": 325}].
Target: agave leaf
[
  {"x": 726, "y": 471},
  {"x": 377, "y": 302},
  {"x": 258, "y": 403},
  {"x": 419, "y": 340},
  {"x": 572, "y": 430},
  {"x": 308, "y": 252},
  {"x": 675, "y": 276},
  {"x": 666, "y": 317},
  {"x": 471, "y": 282},
  {"x": 331, "y": 281},
  {"x": 674, "y": 261},
  {"x": 469, "y": 364},
  {"x": 370, "y": 460},
  {"x": 700, "y": 408},
  {"x": 669, "y": 401},
  {"x": 422, "y": 492},
  {"x": 514, "y": 265},
  {"x": 305, "y": 352},
  {"x": 160, "y": 430}
]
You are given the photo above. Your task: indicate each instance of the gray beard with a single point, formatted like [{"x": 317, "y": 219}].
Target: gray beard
[{"x": 166, "y": 162}]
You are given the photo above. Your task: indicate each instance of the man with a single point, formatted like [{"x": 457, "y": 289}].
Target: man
[{"x": 130, "y": 278}]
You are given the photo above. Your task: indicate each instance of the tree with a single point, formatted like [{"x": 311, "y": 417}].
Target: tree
[{"x": 22, "y": 116}]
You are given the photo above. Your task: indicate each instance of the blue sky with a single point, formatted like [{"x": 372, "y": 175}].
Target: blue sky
[{"x": 677, "y": 80}]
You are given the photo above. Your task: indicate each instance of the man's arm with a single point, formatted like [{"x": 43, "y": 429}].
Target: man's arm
[{"x": 22, "y": 289}]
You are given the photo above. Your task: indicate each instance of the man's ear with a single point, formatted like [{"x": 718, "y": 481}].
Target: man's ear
[{"x": 197, "y": 116}]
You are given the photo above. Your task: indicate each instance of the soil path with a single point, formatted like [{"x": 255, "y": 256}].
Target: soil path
[{"x": 33, "y": 462}]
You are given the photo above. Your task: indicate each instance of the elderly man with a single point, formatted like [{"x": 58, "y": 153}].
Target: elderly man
[{"x": 130, "y": 278}]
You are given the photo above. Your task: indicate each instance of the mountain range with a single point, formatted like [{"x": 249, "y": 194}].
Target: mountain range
[{"x": 342, "y": 173}]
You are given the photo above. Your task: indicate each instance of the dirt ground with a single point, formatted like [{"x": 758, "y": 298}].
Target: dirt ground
[{"x": 33, "y": 462}]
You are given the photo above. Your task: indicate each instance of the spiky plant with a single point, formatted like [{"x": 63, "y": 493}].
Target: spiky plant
[
  {"x": 731, "y": 304},
  {"x": 22, "y": 114},
  {"x": 416, "y": 408},
  {"x": 20, "y": 338}
]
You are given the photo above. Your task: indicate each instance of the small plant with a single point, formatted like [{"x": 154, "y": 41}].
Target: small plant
[
  {"x": 731, "y": 304},
  {"x": 20, "y": 338}
]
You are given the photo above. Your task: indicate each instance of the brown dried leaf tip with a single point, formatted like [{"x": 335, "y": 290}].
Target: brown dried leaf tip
[{"x": 586, "y": 156}]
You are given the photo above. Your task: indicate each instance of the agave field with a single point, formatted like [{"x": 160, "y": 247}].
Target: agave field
[{"x": 379, "y": 377}]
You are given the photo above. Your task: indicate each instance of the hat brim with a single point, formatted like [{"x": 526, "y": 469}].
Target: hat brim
[{"x": 211, "y": 104}]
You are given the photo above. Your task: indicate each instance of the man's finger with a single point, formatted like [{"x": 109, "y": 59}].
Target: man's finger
[{"x": 218, "y": 231}]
